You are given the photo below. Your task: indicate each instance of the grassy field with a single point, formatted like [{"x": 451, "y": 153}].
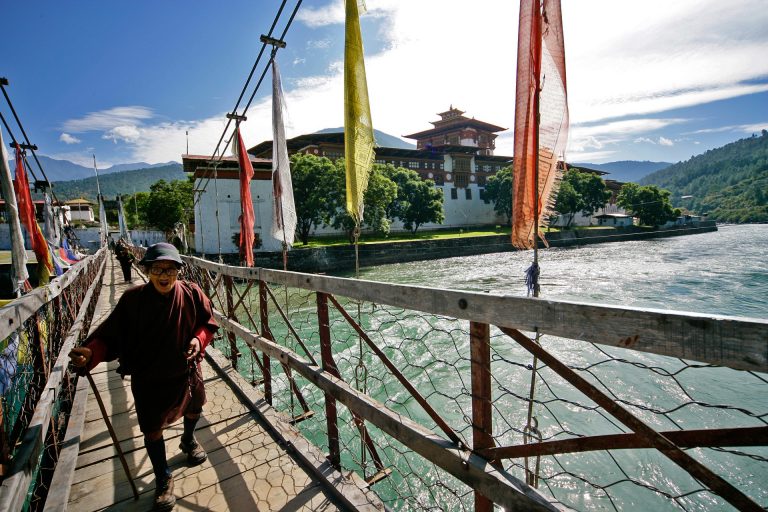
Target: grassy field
[{"x": 472, "y": 231}]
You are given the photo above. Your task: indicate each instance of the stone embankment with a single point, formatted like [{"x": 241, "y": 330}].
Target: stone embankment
[{"x": 342, "y": 257}]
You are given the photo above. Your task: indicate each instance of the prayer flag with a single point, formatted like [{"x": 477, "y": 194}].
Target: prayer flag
[
  {"x": 358, "y": 127},
  {"x": 284, "y": 222},
  {"x": 51, "y": 226},
  {"x": 19, "y": 274},
  {"x": 247, "y": 218},
  {"x": 27, "y": 216},
  {"x": 540, "y": 64},
  {"x": 121, "y": 220},
  {"x": 103, "y": 226}
]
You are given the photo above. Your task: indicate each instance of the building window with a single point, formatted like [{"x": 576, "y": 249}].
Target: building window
[
  {"x": 442, "y": 166},
  {"x": 439, "y": 179},
  {"x": 461, "y": 179},
  {"x": 454, "y": 193},
  {"x": 468, "y": 193},
  {"x": 481, "y": 181},
  {"x": 381, "y": 162},
  {"x": 462, "y": 164},
  {"x": 413, "y": 165},
  {"x": 453, "y": 140},
  {"x": 332, "y": 155}
]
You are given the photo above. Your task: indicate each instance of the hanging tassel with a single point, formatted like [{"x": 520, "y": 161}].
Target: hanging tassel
[{"x": 532, "y": 279}]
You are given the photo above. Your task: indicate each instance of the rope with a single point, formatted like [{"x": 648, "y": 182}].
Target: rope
[{"x": 258, "y": 84}]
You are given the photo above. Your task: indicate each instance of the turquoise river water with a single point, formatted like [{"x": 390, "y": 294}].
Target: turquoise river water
[{"x": 724, "y": 272}]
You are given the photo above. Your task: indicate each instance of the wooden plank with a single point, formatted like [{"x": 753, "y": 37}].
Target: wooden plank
[
  {"x": 471, "y": 469},
  {"x": 482, "y": 412},
  {"x": 64, "y": 474},
  {"x": 14, "y": 488},
  {"x": 205, "y": 430},
  {"x": 736, "y": 342},
  {"x": 221, "y": 405},
  {"x": 13, "y": 315},
  {"x": 110, "y": 487},
  {"x": 349, "y": 488},
  {"x": 221, "y": 442}
]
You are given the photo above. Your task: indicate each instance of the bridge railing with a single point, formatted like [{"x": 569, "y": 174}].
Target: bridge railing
[
  {"x": 456, "y": 400},
  {"x": 37, "y": 332}
]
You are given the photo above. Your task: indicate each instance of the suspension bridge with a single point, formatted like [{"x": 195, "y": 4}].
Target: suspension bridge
[{"x": 331, "y": 394}]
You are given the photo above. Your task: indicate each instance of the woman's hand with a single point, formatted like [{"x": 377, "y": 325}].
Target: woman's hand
[
  {"x": 80, "y": 356},
  {"x": 193, "y": 349}
]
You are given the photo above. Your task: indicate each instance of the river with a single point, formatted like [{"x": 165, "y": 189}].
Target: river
[{"x": 723, "y": 272}]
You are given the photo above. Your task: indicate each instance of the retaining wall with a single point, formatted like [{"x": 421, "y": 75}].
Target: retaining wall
[{"x": 342, "y": 257}]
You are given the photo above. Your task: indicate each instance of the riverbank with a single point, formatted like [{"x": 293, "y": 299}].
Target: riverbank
[{"x": 342, "y": 257}]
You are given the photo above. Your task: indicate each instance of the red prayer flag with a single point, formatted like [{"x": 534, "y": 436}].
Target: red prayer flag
[
  {"x": 540, "y": 64},
  {"x": 27, "y": 213},
  {"x": 247, "y": 218}
]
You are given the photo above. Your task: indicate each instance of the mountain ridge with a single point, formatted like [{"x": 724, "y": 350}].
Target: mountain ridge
[
  {"x": 65, "y": 170},
  {"x": 626, "y": 170},
  {"x": 730, "y": 183}
]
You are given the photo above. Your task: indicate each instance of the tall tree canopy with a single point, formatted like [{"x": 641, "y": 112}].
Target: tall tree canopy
[
  {"x": 583, "y": 192},
  {"x": 499, "y": 190},
  {"x": 417, "y": 201},
  {"x": 312, "y": 181},
  {"x": 650, "y": 204},
  {"x": 380, "y": 193},
  {"x": 169, "y": 203}
]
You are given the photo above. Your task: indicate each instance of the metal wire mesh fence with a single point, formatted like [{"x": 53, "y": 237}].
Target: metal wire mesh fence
[
  {"x": 35, "y": 388},
  {"x": 596, "y": 427}
]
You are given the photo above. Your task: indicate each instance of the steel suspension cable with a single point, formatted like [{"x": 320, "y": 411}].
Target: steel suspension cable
[
  {"x": 26, "y": 138},
  {"x": 256, "y": 88},
  {"x": 206, "y": 175}
]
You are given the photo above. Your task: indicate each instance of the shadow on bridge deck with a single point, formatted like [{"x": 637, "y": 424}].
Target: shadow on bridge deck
[{"x": 249, "y": 466}]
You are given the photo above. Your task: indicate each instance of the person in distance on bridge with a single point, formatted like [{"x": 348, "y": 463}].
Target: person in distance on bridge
[{"x": 158, "y": 331}]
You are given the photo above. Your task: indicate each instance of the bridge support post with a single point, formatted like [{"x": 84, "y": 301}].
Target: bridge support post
[
  {"x": 329, "y": 366},
  {"x": 267, "y": 333},
  {"x": 234, "y": 352},
  {"x": 482, "y": 412}
]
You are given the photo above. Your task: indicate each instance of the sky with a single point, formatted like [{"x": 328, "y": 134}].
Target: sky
[{"x": 126, "y": 80}]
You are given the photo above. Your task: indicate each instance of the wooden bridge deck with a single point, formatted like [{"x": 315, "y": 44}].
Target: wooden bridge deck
[{"x": 250, "y": 465}]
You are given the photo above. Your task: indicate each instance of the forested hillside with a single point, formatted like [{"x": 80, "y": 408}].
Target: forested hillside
[
  {"x": 126, "y": 182},
  {"x": 730, "y": 184}
]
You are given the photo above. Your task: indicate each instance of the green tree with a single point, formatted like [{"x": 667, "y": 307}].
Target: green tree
[
  {"x": 568, "y": 201},
  {"x": 499, "y": 190},
  {"x": 417, "y": 201},
  {"x": 168, "y": 203},
  {"x": 650, "y": 204},
  {"x": 312, "y": 178},
  {"x": 583, "y": 192},
  {"x": 378, "y": 196}
]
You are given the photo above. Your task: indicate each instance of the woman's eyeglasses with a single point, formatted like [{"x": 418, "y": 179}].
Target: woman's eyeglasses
[{"x": 170, "y": 272}]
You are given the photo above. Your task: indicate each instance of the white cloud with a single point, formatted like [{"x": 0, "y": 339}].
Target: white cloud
[
  {"x": 320, "y": 44},
  {"x": 127, "y": 133},
  {"x": 298, "y": 61},
  {"x": 84, "y": 158},
  {"x": 108, "y": 119},
  {"x": 644, "y": 140},
  {"x": 665, "y": 141},
  {"x": 743, "y": 128},
  {"x": 624, "y": 60},
  {"x": 69, "y": 139}
]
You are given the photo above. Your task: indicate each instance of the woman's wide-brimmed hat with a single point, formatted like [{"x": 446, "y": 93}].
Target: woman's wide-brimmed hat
[{"x": 161, "y": 252}]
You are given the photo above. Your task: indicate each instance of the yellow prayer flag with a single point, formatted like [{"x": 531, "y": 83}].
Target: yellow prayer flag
[{"x": 358, "y": 128}]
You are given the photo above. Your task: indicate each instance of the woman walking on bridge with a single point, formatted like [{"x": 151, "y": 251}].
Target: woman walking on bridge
[{"x": 158, "y": 332}]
